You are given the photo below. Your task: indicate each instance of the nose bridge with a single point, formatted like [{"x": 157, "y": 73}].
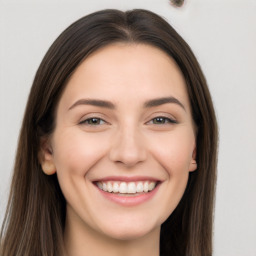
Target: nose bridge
[{"x": 128, "y": 146}]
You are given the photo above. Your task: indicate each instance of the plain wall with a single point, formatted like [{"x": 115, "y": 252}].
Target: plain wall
[{"x": 222, "y": 35}]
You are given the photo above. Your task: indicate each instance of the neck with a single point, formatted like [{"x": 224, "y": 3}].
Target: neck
[{"x": 82, "y": 240}]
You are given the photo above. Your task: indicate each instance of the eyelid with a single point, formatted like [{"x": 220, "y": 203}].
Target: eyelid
[
  {"x": 91, "y": 116},
  {"x": 169, "y": 120},
  {"x": 167, "y": 116}
]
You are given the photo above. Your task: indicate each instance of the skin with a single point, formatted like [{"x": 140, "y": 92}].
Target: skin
[{"x": 126, "y": 141}]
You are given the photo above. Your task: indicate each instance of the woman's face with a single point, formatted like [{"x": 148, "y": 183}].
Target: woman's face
[{"x": 124, "y": 141}]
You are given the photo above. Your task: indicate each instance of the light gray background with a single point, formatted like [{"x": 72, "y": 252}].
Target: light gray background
[{"x": 223, "y": 37}]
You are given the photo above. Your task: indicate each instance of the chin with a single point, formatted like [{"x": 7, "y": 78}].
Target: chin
[{"x": 129, "y": 231}]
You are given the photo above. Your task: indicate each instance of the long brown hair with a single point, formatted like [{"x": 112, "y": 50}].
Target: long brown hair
[{"x": 35, "y": 216}]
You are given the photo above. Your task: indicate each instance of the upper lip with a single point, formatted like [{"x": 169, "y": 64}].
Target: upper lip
[{"x": 128, "y": 178}]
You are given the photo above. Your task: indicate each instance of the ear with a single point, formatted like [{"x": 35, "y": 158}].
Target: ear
[
  {"x": 193, "y": 163},
  {"x": 45, "y": 157}
]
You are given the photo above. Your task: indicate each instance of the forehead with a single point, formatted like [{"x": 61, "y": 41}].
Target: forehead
[{"x": 122, "y": 71}]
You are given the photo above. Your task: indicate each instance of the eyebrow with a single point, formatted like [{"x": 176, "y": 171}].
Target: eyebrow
[
  {"x": 110, "y": 105},
  {"x": 161, "y": 101},
  {"x": 94, "y": 102}
]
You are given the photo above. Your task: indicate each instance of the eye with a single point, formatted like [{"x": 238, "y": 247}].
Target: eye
[
  {"x": 162, "y": 120},
  {"x": 93, "y": 121}
]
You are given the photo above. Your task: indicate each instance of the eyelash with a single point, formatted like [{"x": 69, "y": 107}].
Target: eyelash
[
  {"x": 94, "y": 119},
  {"x": 98, "y": 121},
  {"x": 165, "y": 120}
]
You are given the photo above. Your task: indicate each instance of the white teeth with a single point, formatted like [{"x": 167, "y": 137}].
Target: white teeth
[
  {"x": 115, "y": 187},
  {"x": 123, "y": 188},
  {"x": 151, "y": 186},
  {"x": 109, "y": 186},
  {"x": 126, "y": 187},
  {"x": 131, "y": 188},
  {"x": 140, "y": 187},
  {"x": 104, "y": 187},
  {"x": 145, "y": 187}
]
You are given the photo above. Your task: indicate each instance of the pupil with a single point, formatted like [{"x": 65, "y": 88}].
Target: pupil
[
  {"x": 159, "y": 120},
  {"x": 94, "y": 121}
]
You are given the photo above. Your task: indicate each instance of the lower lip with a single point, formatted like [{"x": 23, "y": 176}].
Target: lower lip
[{"x": 129, "y": 200}]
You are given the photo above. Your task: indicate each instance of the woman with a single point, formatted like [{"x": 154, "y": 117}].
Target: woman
[{"x": 117, "y": 151}]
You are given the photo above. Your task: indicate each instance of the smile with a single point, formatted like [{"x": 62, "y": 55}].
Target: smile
[
  {"x": 128, "y": 191},
  {"x": 121, "y": 187}
]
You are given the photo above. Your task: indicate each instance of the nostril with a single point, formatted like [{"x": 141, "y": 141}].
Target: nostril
[{"x": 128, "y": 159}]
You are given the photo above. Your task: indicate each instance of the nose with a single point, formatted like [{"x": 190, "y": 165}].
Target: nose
[{"x": 128, "y": 148}]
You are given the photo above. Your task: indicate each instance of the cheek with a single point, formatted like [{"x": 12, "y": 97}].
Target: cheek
[
  {"x": 174, "y": 155},
  {"x": 76, "y": 152},
  {"x": 174, "y": 152}
]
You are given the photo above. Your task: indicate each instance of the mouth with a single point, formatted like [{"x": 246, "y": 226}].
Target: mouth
[
  {"x": 127, "y": 188},
  {"x": 128, "y": 191}
]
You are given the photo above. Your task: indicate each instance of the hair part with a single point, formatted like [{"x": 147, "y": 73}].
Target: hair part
[{"x": 35, "y": 215}]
